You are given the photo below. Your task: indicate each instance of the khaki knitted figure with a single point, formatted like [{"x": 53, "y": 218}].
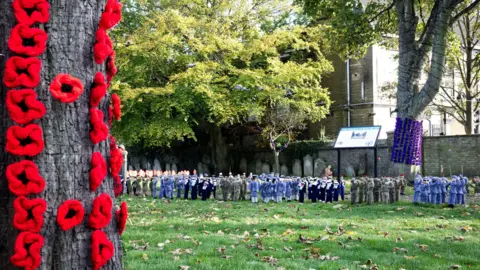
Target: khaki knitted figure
[{"x": 370, "y": 186}]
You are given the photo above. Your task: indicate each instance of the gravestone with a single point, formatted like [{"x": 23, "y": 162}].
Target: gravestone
[
  {"x": 243, "y": 165},
  {"x": 258, "y": 167},
  {"x": 297, "y": 168},
  {"x": 144, "y": 163},
  {"x": 168, "y": 167},
  {"x": 307, "y": 166},
  {"x": 136, "y": 163},
  {"x": 251, "y": 168},
  {"x": 349, "y": 171},
  {"x": 200, "y": 168},
  {"x": 284, "y": 170},
  {"x": 318, "y": 166},
  {"x": 174, "y": 167},
  {"x": 156, "y": 165},
  {"x": 130, "y": 167},
  {"x": 266, "y": 168}
]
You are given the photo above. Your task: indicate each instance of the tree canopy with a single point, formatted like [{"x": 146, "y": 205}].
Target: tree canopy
[{"x": 186, "y": 63}]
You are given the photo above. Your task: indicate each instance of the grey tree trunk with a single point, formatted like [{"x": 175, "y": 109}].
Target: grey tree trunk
[
  {"x": 277, "y": 162},
  {"x": 65, "y": 161},
  {"x": 219, "y": 149}
]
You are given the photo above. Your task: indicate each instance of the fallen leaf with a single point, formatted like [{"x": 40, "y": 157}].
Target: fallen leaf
[
  {"x": 437, "y": 256},
  {"x": 176, "y": 258},
  {"x": 459, "y": 238},
  {"x": 276, "y": 216},
  {"x": 455, "y": 266},
  {"x": 304, "y": 227},
  {"x": 399, "y": 239},
  {"x": 287, "y": 249},
  {"x": 220, "y": 232},
  {"x": 423, "y": 248},
  {"x": 464, "y": 214},
  {"x": 326, "y": 237},
  {"x": 270, "y": 259},
  {"x": 221, "y": 249},
  {"x": 369, "y": 261},
  {"x": 227, "y": 257},
  {"x": 183, "y": 267},
  {"x": 288, "y": 232},
  {"x": 400, "y": 208},
  {"x": 409, "y": 257},
  {"x": 385, "y": 234},
  {"x": 188, "y": 251},
  {"x": 177, "y": 251},
  {"x": 145, "y": 257}
]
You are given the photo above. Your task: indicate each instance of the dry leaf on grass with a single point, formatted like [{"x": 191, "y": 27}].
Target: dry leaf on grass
[
  {"x": 176, "y": 258},
  {"x": 183, "y": 267},
  {"x": 270, "y": 259},
  {"x": 288, "y": 232},
  {"x": 228, "y": 257},
  {"x": 455, "y": 266},
  {"x": 145, "y": 257},
  {"x": 177, "y": 251}
]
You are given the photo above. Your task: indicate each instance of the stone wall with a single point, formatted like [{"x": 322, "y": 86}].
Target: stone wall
[{"x": 452, "y": 152}]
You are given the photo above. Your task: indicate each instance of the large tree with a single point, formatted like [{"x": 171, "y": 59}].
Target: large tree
[
  {"x": 185, "y": 64},
  {"x": 420, "y": 29},
  {"x": 64, "y": 162}
]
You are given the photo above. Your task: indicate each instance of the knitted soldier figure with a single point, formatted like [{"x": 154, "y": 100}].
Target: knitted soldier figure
[
  {"x": 452, "y": 195},
  {"x": 214, "y": 188},
  {"x": 425, "y": 190},
  {"x": 225, "y": 185},
  {"x": 397, "y": 189},
  {"x": 341, "y": 186},
  {"x": 465, "y": 190},
  {"x": 438, "y": 190},
  {"x": 204, "y": 189},
  {"x": 460, "y": 191},
  {"x": 237, "y": 186},
  {"x": 309, "y": 191},
  {"x": 264, "y": 190},
  {"x": 391, "y": 191},
  {"x": 329, "y": 191},
  {"x": 384, "y": 189},
  {"x": 323, "y": 190},
  {"x": 131, "y": 180},
  {"x": 361, "y": 187},
  {"x": 280, "y": 188},
  {"x": 169, "y": 182},
  {"x": 476, "y": 185},
  {"x": 416, "y": 189},
  {"x": 353, "y": 191},
  {"x": 370, "y": 186},
  {"x": 376, "y": 190},
  {"x": 272, "y": 189},
  {"x": 313, "y": 190},
  {"x": 180, "y": 185},
  {"x": 302, "y": 188},
  {"x": 155, "y": 180},
  {"x": 187, "y": 184},
  {"x": 288, "y": 189},
  {"x": 194, "y": 187},
  {"x": 336, "y": 191},
  {"x": 243, "y": 187},
  {"x": 295, "y": 188},
  {"x": 140, "y": 181}
]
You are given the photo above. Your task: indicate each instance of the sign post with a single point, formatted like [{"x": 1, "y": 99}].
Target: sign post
[{"x": 357, "y": 138}]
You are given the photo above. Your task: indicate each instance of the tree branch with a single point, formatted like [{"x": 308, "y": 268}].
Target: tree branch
[
  {"x": 464, "y": 11},
  {"x": 388, "y": 8}
]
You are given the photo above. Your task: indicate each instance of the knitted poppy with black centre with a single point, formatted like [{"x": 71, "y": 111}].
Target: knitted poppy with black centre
[
  {"x": 21, "y": 71},
  {"x": 66, "y": 88},
  {"x": 27, "y": 41},
  {"x": 23, "y": 106},
  {"x": 24, "y": 178},
  {"x": 25, "y": 141},
  {"x": 27, "y": 250},
  {"x": 70, "y": 214},
  {"x": 31, "y": 11}
]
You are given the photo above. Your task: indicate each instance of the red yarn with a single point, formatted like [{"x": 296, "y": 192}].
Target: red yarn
[
  {"x": 27, "y": 251},
  {"x": 27, "y": 41},
  {"x": 103, "y": 47},
  {"x": 21, "y": 71},
  {"x": 102, "y": 249},
  {"x": 117, "y": 111},
  {"x": 24, "y": 179},
  {"x": 29, "y": 214},
  {"x": 111, "y": 68},
  {"x": 112, "y": 14},
  {"x": 66, "y": 88},
  {"x": 25, "y": 141},
  {"x": 116, "y": 160},
  {"x": 31, "y": 11},
  {"x": 99, "y": 130},
  {"x": 117, "y": 186},
  {"x": 70, "y": 214},
  {"x": 99, "y": 89},
  {"x": 122, "y": 216},
  {"x": 23, "y": 106},
  {"x": 101, "y": 212},
  {"x": 98, "y": 171}
]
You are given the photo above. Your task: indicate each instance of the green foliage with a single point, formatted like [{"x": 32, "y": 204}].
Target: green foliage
[
  {"x": 239, "y": 235},
  {"x": 187, "y": 63}
]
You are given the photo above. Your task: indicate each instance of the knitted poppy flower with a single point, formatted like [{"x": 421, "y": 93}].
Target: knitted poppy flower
[
  {"x": 27, "y": 41},
  {"x": 25, "y": 141},
  {"x": 111, "y": 68},
  {"x": 102, "y": 249},
  {"x": 27, "y": 250},
  {"x": 29, "y": 214},
  {"x": 31, "y": 11},
  {"x": 117, "y": 111},
  {"x": 122, "y": 216},
  {"x": 23, "y": 106},
  {"x": 66, "y": 88},
  {"x": 99, "y": 89},
  {"x": 111, "y": 15},
  {"x": 70, "y": 214},
  {"x": 116, "y": 160},
  {"x": 24, "y": 179},
  {"x": 21, "y": 71},
  {"x": 98, "y": 171},
  {"x": 117, "y": 186},
  {"x": 101, "y": 212},
  {"x": 103, "y": 47},
  {"x": 98, "y": 130}
]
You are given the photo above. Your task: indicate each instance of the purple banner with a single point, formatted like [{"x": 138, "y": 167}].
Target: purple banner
[{"x": 407, "y": 142}]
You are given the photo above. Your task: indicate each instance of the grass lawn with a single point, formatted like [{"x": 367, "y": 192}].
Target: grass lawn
[{"x": 238, "y": 235}]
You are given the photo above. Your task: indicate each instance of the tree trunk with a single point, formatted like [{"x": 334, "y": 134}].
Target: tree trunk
[
  {"x": 469, "y": 116},
  {"x": 277, "y": 162},
  {"x": 65, "y": 161},
  {"x": 219, "y": 149}
]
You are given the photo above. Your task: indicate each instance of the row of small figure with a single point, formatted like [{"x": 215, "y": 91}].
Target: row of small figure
[
  {"x": 434, "y": 190},
  {"x": 377, "y": 190}
]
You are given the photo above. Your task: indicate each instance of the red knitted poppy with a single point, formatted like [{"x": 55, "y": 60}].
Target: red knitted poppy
[
  {"x": 98, "y": 130},
  {"x": 27, "y": 41},
  {"x": 25, "y": 141},
  {"x": 111, "y": 68},
  {"x": 29, "y": 214},
  {"x": 31, "y": 11},
  {"x": 27, "y": 250},
  {"x": 117, "y": 186},
  {"x": 101, "y": 212},
  {"x": 117, "y": 111},
  {"x": 116, "y": 160},
  {"x": 23, "y": 106},
  {"x": 122, "y": 216},
  {"x": 102, "y": 249},
  {"x": 99, "y": 89},
  {"x": 24, "y": 179},
  {"x": 69, "y": 214},
  {"x": 66, "y": 88},
  {"x": 21, "y": 71},
  {"x": 98, "y": 171},
  {"x": 112, "y": 14},
  {"x": 103, "y": 47}
]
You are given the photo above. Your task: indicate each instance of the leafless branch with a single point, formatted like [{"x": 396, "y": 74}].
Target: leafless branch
[{"x": 472, "y": 6}]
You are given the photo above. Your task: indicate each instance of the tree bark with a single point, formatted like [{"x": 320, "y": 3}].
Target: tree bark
[
  {"x": 277, "y": 162},
  {"x": 219, "y": 149},
  {"x": 65, "y": 161}
]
